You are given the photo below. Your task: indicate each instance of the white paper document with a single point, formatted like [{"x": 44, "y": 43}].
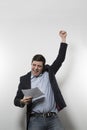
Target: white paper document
[{"x": 34, "y": 92}]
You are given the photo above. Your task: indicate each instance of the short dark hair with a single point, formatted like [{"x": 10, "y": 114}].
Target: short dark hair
[{"x": 39, "y": 57}]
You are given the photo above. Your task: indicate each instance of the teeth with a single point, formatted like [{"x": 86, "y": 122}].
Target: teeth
[{"x": 35, "y": 71}]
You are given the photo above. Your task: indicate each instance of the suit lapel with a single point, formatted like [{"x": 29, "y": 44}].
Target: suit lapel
[{"x": 28, "y": 80}]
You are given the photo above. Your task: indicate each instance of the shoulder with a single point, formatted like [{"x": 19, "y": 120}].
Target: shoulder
[
  {"x": 24, "y": 77},
  {"x": 46, "y": 68}
]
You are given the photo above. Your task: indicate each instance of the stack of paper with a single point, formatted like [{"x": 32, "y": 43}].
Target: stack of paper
[{"x": 35, "y": 93}]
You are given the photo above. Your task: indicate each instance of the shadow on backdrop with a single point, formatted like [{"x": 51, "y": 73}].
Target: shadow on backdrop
[
  {"x": 63, "y": 115},
  {"x": 66, "y": 121},
  {"x": 22, "y": 122}
]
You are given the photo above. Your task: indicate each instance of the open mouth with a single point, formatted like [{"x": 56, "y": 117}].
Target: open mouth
[{"x": 35, "y": 71}]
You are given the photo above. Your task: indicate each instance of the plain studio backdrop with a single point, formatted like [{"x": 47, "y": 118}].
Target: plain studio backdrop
[{"x": 28, "y": 27}]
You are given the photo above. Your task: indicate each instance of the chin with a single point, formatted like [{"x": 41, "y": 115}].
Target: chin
[{"x": 36, "y": 74}]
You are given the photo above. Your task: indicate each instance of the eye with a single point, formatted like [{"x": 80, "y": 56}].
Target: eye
[
  {"x": 34, "y": 64},
  {"x": 40, "y": 66}
]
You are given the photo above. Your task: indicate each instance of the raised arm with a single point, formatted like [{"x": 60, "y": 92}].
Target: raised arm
[{"x": 62, "y": 52}]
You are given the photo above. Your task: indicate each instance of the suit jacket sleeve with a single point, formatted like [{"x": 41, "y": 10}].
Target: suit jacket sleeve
[
  {"x": 19, "y": 95},
  {"x": 60, "y": 58}
]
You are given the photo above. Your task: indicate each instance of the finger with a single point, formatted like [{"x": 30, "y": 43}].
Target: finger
[
  {"x": 62, "y": 32},
  {"x": 28, "y": 101},
  {"x": 27, "y": 97}
]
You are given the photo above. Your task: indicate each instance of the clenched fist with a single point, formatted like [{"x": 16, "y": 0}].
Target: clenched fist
[{"x": 63, "y": 35}]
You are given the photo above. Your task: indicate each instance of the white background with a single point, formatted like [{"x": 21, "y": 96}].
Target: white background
[{"x": 28, "y": 27}]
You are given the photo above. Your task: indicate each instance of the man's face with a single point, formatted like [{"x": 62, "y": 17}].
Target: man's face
[{"x": 36, "y": 67}]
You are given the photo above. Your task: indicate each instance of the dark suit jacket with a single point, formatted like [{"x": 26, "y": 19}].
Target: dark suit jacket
[{"x": 25, "y": 82}]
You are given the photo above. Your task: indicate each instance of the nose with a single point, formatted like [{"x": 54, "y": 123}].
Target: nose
[{"x": 36, "y": 67}]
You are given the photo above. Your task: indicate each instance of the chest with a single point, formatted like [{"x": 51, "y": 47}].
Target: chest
[{"x": 42, "y": 82}]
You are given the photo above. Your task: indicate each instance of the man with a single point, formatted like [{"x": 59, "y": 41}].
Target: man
[{"x": 43, "y": 115}]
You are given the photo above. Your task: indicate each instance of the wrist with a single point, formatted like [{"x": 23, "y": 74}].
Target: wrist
[{"x": 63, "y": 40}]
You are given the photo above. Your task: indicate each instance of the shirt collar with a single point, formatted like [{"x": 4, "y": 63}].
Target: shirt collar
[{"x": 32, "y": 76}]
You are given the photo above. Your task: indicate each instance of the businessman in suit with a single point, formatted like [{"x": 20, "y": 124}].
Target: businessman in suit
[{"x": 44, "y": 114}]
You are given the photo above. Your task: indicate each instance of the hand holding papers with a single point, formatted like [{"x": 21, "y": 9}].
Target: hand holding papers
[
  {"x": 35, "y": 93},
  {"x": 26, "y": 100}
]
